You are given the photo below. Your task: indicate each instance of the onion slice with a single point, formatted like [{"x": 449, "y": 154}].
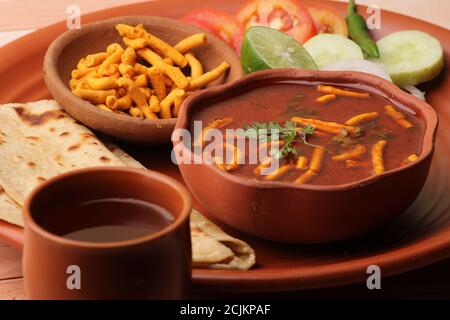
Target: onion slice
[
  {"x": 415, "y": 92},
  {"x": 359, "y": 65},
  {"x": 371, "y": 67}
]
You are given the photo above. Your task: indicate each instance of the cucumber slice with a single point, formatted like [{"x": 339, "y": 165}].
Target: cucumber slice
[
  {"x": 329, "y": 48},
  {"x": 411, "y": 57}
]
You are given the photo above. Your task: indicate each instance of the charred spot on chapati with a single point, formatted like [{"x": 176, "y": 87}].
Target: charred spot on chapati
[{"x": 38, "y": 119}]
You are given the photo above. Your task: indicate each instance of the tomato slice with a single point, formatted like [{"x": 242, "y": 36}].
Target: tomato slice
[
  {"x": 219, "y": 23},
  {"x": 288, "y": 16},
  {"x": 327, "y": 20}
]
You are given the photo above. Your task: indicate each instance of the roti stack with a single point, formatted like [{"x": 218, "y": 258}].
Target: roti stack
[{"x": 39, "y": 140}]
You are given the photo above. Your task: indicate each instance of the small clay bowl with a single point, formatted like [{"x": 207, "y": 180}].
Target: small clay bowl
[
  {"x": 307, "y": 214},
  {"x": 153, "y": 266},
  {"x": 64, "y": 53}
]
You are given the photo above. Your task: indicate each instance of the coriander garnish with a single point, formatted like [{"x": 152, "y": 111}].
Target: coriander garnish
[{"x": 289, "y": 133}]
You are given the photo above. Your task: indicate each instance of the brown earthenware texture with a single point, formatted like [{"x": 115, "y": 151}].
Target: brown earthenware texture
[
  {"x": 419, "y": 237},
  {"x": 65, "y": 52}
]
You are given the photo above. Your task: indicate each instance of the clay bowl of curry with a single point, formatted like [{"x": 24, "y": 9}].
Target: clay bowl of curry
[
  {"x": 305, "y": 156},
  {"x": 127, "y": 77}
]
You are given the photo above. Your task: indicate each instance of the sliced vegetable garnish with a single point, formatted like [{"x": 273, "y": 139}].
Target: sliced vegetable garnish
[
  {"x": 415, "y": 92},
  {"x": 219, "y": 23},
  {"x": 266, "y": 48},
  {"x": 288, "y": 16},
  {"x": 371, "y": 67},
  {"x": 330, "y": 48},
  {"x": 359, "y": 32},
  {"x": 327, "y": 20},
  {"x": 411, "y": 57}
]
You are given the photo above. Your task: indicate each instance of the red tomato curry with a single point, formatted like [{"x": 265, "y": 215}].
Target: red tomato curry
[{"x": 329, "y": 135}]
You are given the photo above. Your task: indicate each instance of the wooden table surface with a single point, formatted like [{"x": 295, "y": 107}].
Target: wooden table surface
[{"x": 19, "y": 17}]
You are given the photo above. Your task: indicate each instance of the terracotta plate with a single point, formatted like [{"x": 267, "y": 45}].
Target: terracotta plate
[{"x": 417, "y": 238}]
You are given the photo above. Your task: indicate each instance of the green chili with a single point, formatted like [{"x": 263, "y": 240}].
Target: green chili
[{"x": 359, "y": 32}]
